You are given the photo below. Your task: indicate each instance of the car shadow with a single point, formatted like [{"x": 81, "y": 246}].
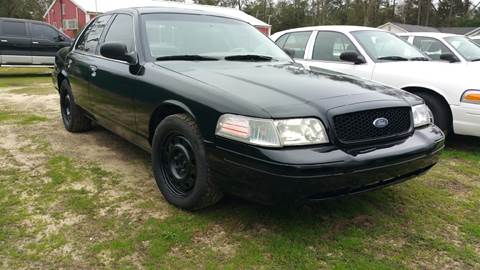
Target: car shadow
[{"x": 463, "y": 143}]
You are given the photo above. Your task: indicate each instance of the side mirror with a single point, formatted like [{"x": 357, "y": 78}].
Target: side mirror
[
  {"x": 118, "y": 51},
  {"x": 352, "y": 57},
  {"x": 60, "y": 38},
  {"x": 289, "y": 52},
  {"x": 449, "y": 57}
]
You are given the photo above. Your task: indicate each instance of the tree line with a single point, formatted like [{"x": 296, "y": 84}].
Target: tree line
[{"x": 284, "y": 14}]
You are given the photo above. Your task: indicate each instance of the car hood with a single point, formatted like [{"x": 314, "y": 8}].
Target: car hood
[{"x": 287, "y": 89}]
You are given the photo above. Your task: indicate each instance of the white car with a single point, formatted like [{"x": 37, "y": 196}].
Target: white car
[
  {"x": 451, "y": 91},
  {"x": 445, "y": 47}
]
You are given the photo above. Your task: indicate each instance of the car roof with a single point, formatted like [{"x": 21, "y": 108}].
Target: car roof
[
  {"x": 339, "y": 28},
  {"x": 21, "y": 20},
  {"x": 178, "y": 10},
  {"x": 429, "y": 34}
]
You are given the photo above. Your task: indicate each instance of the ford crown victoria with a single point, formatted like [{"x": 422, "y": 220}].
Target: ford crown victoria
[{"x": 222, "y": 110}]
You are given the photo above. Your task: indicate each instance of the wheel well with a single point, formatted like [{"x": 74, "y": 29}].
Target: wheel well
[
  {"x": 161, "y": 113},
  {"x": 60, "y": 79},
  {"x": 442, "y": 99}
]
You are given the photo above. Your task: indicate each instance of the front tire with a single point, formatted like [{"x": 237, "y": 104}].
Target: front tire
[
  {"x": 73, "y": 116},
  {"x": 180, "y": 165},
  {"x": 440, "y": 110}
]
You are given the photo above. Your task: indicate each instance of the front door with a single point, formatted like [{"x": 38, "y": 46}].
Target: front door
[
  {"x": 113, "y": 87},
  {"x": 46, "y": 41},
  {"x": 326, "y": 54},
  {"x": 15, "y": 43}
]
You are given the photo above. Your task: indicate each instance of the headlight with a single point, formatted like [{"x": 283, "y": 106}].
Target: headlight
[
  {"x": 422, "y": 115},
  {"x": 271, "y": 133},
  {"x": 471, "y": 96}
]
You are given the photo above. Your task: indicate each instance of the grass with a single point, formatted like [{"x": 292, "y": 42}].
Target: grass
[{"x": 69, "y": 211}]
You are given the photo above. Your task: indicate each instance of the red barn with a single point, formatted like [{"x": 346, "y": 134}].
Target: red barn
[{"x": 70, "y": 16}]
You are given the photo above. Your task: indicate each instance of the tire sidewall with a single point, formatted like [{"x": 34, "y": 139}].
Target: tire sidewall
[
  {"x": 178, "y": 125},
  {"x": 440, "y": 113},
  {"x": 64, "y": 91}
]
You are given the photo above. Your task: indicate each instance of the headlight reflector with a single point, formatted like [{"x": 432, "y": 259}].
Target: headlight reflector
[
  {"x": 471, "y": 96},
  {"x": 422, "y": 115},
  {"x": 272, "y": 133}
]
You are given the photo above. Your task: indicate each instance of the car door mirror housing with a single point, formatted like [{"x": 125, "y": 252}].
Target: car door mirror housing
[
  {"x": 118, "y": 51},
  {"x": 352, "y": 57},
  {"x": 449, "y": 57},
  {"x": 60, "y": 38}
]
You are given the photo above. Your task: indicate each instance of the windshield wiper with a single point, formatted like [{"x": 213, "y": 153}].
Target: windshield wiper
[
  {"x": 475, "y": 60},
  {"x": 420, "y": 58},
  {"x": 186, "y": 57},
  {"x": 248, "y": 57},
  {"x": 393, "y": 58}
]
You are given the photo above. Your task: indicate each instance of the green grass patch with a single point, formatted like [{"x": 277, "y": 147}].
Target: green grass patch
[{"x": 20, "y": 118}]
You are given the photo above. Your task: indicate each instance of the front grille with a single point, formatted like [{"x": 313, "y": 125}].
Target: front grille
[{"x": 358, "y": 126}]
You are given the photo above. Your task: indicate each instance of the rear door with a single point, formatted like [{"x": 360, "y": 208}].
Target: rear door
[
  {"x": 46, "y": 41},
  {"x": 79, "y": 63},
  {"x": 112, "y": 88},
  {"x": 15, "y": 43}
]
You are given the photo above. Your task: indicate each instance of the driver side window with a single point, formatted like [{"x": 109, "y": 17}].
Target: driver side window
[
  {"x": 431, "y": 47},
  {"x": 330, "y": 45}
]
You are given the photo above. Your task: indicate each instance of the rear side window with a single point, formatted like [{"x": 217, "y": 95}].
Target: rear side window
[
  {"x": 330, "y": 45},
  {"x": 89, "y": 40},
  {"x": 14, "y": 29},
  {"x": 121, "y": 31},
  {"x": 281, "y": 41},
  {"x": 41, "y": 31},
  {"x": 431, "y": 47},
  {"x": 296, "y": 43}
]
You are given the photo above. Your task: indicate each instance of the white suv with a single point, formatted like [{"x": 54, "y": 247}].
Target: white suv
[{"x": 451, "y": 91}]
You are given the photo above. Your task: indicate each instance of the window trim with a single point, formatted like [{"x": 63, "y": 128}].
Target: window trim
[{"x": 360, "y": 52}]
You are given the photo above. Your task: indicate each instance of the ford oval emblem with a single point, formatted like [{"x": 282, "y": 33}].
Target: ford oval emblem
[{"x": 380, "y": 122}]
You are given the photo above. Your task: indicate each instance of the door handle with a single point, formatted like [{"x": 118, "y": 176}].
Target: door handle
[
  {"x": 4, "y": 41},
  {"x": 35, "y": 42},
  {"x": 93, "y": 69}
]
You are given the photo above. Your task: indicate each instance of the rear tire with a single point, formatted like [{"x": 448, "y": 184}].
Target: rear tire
[
  {"x": 73, "y": 116},
  {"x": 440, "y": 110},
  {"x": 180, "y": 164}
]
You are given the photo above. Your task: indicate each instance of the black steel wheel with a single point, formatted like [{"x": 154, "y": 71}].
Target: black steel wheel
[
  {"x": 180, "y": 166},
  {"x": 73, "y": 117}
]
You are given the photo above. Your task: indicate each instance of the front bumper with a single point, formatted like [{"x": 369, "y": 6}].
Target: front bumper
[
  {"x": 272, "y": 176},
  {"x": 466, "y": 119}
]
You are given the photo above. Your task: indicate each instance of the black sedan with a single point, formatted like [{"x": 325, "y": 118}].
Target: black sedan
[{"x": 222, "y": 109}]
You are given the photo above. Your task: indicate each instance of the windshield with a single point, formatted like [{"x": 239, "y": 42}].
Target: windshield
[
  {"x": 383, "y": 46},
  {"x": 206, "y": 37},
  {"x": 469, "y": 50}
]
